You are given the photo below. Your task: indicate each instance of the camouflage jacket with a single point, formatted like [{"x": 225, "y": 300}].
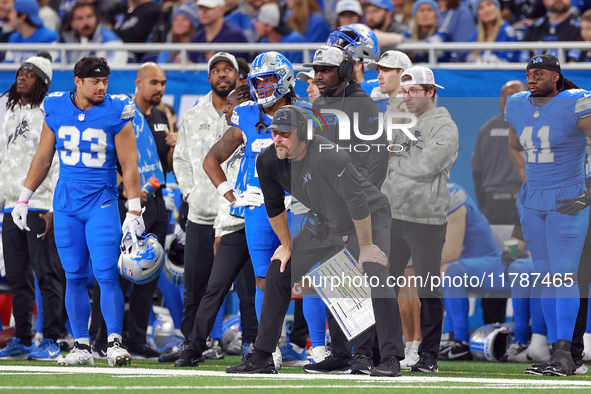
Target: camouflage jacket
[
  {"x": 224, "y": 222},
  {"x": 200, "y": 128},
  {"x": 19, "y": 139},
  {"x": 416, "y": 184}
]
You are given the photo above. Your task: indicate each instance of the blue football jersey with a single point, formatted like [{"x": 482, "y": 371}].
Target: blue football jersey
[
  {"x": 245, "y": 117},
  {"x": 85, "y": 144},
  {"x": 478, "y": 239}
]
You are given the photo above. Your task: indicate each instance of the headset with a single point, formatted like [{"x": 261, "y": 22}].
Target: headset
[{"x": 346, "y": 66}]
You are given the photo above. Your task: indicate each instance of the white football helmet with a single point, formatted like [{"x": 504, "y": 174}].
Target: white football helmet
[
  {"x": 174, "y": 267},
  {"x": 270, "y": 63},
  {"x": 142, "y": 261},
  {"x": 490, "y": 342}
]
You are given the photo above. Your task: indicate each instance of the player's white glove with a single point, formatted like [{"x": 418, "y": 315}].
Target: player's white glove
[
  {"x": 297, "y": 208},
  {"x": 252, "y": 197},
  {"x": 169, "y": 201},
  {"x": 2, "y": 266},
  {"x": 19, "y": 215},
  {"x": 133, "y": 224}
]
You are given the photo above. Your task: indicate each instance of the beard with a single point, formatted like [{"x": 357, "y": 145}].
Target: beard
[
  {"x": 155, "y": 101},
  {"x": 282, "y": 155},
  {"x": 223, "y": 93},
  {"x": 560, "y": 8}
]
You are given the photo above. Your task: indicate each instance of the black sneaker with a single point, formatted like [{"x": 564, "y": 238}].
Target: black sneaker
[
  {"x": 173, "y": 356},
  {"x": 214, "y": 350},
  {"x": 331, "y": 364},
  {"x": 537, "y": 369},
  {"x": 188, "y": 358},
  {"x": 389, "y": 366},
  {"x": 561, "y": 363},
  {"x": 99, "y": 350},
  {"x": 426, "y": 363},
  {"x": 253, "y": 363},
  {"x": 455, "y": 351},
  {"x": 143, "y": 352},
  {"x": 361, "y": 365}
]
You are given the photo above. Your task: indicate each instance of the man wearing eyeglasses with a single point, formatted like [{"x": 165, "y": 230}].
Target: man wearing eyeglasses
[{"x": 416, "y": 186}]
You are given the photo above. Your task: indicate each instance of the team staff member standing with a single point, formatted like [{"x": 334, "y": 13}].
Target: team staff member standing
[
  {"x": 200, "y": 127},
  {"x": 28, "y": 251},
  {"x": 419, "y": 199},
  {"x": 329, "y": 184},
  {"x": 333, "y": 75}
]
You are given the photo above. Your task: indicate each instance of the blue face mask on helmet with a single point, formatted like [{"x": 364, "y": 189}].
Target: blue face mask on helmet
[
  {"x": 357, "y": 39},
  {"x": 142, "y": 261},
  {"x": 270, "y": 70}
]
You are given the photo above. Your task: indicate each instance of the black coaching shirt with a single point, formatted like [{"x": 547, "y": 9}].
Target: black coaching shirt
[{"x": 324, "y": 181}]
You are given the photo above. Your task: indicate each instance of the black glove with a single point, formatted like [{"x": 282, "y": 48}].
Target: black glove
[
  {"x": 572, "y": 206},
  {"x": 506, "y": 258}
]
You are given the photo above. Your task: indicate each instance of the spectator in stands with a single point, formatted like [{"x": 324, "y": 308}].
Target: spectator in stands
[
  {"x": 521, "y": 13},
  {"x": 492, "y": 28},
  {"x": 135, "y": 20},
  {"x": 402, "y": 13},
  {"x": 379, "y": 15},
  {"x": 5, "y": 29},
  {"x": 184, "y": 22},
  {"x": 558, "y": 25},
  {"x": 88, "y": 31},
  {"x": 160, "y": 32},
  {"x": 269, "y": 29},
  {"x": 49, "y": 17},
  {"x": 586, "y": 34},
  {"x": 426, "y": 16},
  {"x": 455, "y": 20},
  {"x": 348, "y": 12},
  {"x": 215, "y": 29},
  {"x": 244, "y": 17},
  {"x": 28, "y": 28},
  {"x": 306, "y": 18}
]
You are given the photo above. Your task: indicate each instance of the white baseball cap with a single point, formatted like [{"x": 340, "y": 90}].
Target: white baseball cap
[
  {"x": 305, "y": 75},
  {"x": 419, "y": 76},
  {"x": 211, "y": 3},
  {"x": 391, "y": 59},
  {"x": 327, "y": 56},
  {"x": 222, "y": 56},
  {"x": 349, "y": 5},
  {"x": 270, "y": 14}
]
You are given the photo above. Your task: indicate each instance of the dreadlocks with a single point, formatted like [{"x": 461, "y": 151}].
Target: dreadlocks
[
  {"x": 37, "y": 96},
  {"x": 565, "y": 84},
  {"x": 243, "y": 93}
]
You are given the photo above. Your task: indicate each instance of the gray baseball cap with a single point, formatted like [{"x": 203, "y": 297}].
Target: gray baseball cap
[
  {"x": 419, "y": 76},
  {"x": 392, "y": 59},
  {"x": 327, "y": 56}
]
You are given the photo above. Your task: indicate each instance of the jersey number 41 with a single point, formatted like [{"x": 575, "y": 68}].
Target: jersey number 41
[{"x": 535, "y": 154}]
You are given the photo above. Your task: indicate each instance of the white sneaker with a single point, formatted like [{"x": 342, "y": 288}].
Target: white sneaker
[
  {"x": 318, "y": 354},
  {"x": 538, "y": 350},
  {"x": 411, "y": 357},
  {"x": 587, "y": 350},
  {"x": 117, "y": 356},
  {"x": 77, "y": 356}
]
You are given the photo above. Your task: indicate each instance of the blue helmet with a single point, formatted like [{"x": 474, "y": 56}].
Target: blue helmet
[
  {"x": 270, "y": 64},
  {"x": 357, "y": 39},
  {"x": 141, "y": 260}
]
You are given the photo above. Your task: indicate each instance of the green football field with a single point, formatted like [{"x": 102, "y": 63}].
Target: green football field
[{"x": 152, "y": 377}]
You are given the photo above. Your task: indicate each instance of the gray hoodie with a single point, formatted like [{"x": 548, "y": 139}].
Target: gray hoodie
[{"x": 416, "y": 184}]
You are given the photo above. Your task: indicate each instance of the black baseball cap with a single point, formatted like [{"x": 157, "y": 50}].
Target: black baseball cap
[
  {"x": 284, "y": 120},
  {"x": 544, "y": 62}
]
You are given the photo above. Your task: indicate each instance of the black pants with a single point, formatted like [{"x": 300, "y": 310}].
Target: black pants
[
  {"x": 299, "y": 329},
  {"x": 424, "y": 243},
  {"x": 494, "y": 310},
  {"x": 140, "y": 296},
  {"x": 500, "y": 208},
  {"x": 584, "y": 276},
  {"x": 25, "y": 252},
  {"x": 305, "y": 254},
  {"x": 198, "y": 263},
  {"x": 232, "y": 261}
]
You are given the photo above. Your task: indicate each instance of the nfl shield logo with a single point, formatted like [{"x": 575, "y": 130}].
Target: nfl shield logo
[{"x": 80, "y": 117}]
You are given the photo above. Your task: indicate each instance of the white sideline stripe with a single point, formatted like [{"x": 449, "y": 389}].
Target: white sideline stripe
[
  {"x": 390, "y": 387},
  {"x": 151, "y": 372}
]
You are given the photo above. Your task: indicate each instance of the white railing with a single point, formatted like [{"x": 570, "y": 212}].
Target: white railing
[{"x": 307, "y": 50}]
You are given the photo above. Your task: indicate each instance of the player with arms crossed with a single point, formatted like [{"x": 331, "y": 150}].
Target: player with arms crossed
[
  {"x": 91, "y": 131},
  {"x": 550, "y": 123}
]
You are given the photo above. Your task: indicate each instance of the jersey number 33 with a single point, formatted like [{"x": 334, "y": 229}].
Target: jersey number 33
[{"x": 71, "y": 155}]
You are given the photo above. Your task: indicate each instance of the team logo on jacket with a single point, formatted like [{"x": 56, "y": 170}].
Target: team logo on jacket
[
  {"x": 22, "y": 130},
  {"x": 409, "y": 146}
]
